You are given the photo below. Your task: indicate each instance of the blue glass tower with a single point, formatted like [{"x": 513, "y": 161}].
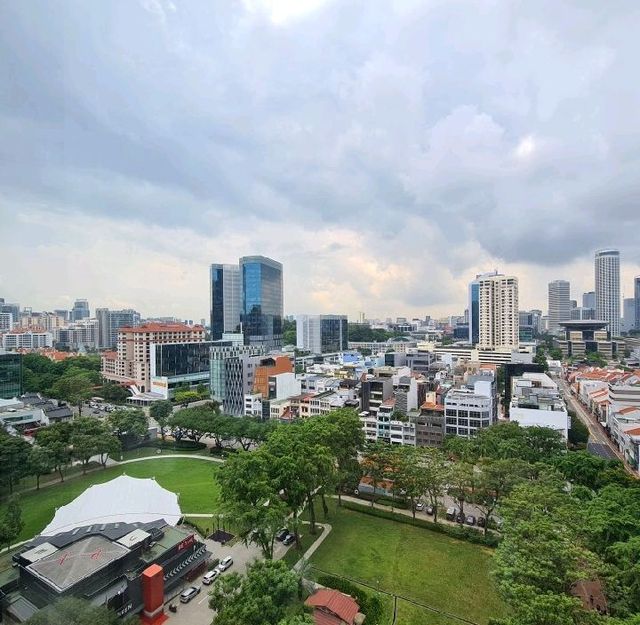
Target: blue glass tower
[{"x": 262, "y": 301}]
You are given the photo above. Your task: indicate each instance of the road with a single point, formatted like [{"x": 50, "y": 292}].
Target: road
[{"x": 597, "y": 433}]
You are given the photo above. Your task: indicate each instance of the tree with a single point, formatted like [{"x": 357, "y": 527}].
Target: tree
[
  {"x": 250, "y": 499},
  {"x": 261, "y": 597},
  {"x": 185, "y": 396},
  {"x": 127, "y": 424},
  {"x": 14, "y": 459},
  {"x": 461, "y": 481},
  {"x": 374, "y": 464},
  {"x": 435, "y": 469},
  {"x": 161, "y": 411},
  {"x": 41, "y": 462},
  {"x": 74, "y": 611},
  {"x": 75, "y": 388},
  {"x": 11, "y": 524},
  {"x": 496, "y": 479}
]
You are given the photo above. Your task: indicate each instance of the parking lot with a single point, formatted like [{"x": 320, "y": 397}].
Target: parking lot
[{"x": 197, "y": 611}]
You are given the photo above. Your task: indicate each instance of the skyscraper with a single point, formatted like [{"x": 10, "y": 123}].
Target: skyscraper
[
  {"x": 226, "y": 299},
  {"x": 474, "y": 307},
  {"x": 559, "y": 304},
  {"x": 498, "y": 308},
  {"x": 262, "y": 301},
  {"x": 636, "y": 294},
  {"x": 607, "y": 277},
  {"x": 80, "y": 310}
]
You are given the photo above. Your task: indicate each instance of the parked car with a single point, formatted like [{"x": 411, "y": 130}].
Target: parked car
[
  {"x": 189, "y": 594},
  {"x": 481, "y": 521},
  {"x": 210, "y": 576},
  {"x": 225, "y": 563},
  {"x": 282, "y": 534},
  {"x": 429, "y": 510},
  {"x": 451, "y": 514},
  {"x": 419, "y": 506},
  {"x": 460, "y": 518},
  {"x": 289, "y": 539},
  {"x": 470, "y": 520}
]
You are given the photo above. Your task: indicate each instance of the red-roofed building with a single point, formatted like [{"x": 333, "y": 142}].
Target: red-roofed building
[
  {"x": 131, "y": 366},
  {"x": 331, "y": 607}
]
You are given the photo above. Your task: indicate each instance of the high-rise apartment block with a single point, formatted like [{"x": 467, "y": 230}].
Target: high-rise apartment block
[
  {"x": 607, "y": 275},
  {"x": 249, "y": 295},
  {"x": 322, "y": 333},
  {"x": 498, "y": 312},
  {"x": 226, "y": 299},
  {"x": 559, "y": 304}
]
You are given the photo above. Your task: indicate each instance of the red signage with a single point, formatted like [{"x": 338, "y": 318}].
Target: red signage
[{"x": 187, "y": 542}]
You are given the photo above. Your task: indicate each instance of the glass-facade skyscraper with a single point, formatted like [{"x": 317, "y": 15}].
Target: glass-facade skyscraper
[
  {"x": 226, "y": 299},
  {"x": 262, "y": 301}
]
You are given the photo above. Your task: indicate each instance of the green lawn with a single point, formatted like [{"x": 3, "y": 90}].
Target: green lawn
[
  {"x": 193, "y": 480},
  {"x": 431, "y": 568}
]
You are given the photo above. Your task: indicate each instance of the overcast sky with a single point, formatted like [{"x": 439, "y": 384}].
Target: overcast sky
[{"x": 384, "y": 152}]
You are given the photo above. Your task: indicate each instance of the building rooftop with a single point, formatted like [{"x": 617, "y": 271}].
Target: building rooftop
[{"x": 66, "y": 567}]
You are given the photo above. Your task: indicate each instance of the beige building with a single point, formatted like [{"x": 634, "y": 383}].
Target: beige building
[
  {"x": 498, "y": 312},
  {"x": 131, "y": 364}
]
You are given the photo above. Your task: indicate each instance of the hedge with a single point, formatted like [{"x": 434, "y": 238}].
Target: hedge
[
  {"x": 370, "y": 604},
  {"x": 462, "y": 533}
]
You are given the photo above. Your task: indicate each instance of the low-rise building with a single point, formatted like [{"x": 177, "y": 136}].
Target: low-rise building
[{"x": 536, "y": 401}]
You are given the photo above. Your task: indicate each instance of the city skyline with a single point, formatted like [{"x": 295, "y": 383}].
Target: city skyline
[{"x": 383, "y": 170}]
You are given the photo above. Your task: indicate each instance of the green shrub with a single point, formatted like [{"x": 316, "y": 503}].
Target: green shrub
[{"x": 462, "y": 533}]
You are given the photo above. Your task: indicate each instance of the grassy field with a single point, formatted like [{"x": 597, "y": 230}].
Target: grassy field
[
  {"x": 193, "y": 480},
  {"x": 431, "y": 568}
]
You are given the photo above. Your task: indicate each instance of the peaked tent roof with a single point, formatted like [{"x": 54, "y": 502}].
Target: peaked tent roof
[{"x": 124, "y": 499}]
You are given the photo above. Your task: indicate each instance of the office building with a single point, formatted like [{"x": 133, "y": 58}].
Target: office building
[
  {"x": 589, "y": 299},
  {"x": 110, "y": 321},
  {"x": 262, "y": 301},
  {"x": 184, "y": 365},
  {"x": 628, "y": 314},
  {"x": 498, "y": 312},
  {"x": 559, "y": 304},
  {"x": 322, "y": 333},
  {"x": 636, "y": 296},
  {"x": 607, "y": 276},
  {"x": 13, "y": 309},
  {"x": 226, "y": 299},
  {"x": 10, "y": 375},
  {"x": 232, "y": 374},
  {"x": 80, "y": 310},
  {"x": 583, "y": 337},
  {"x": 130, "y": 365}
]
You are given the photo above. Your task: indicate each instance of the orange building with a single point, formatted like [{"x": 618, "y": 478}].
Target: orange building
[{"x": 270, "y": 366}]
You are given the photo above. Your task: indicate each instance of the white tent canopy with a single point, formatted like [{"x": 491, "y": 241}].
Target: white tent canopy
[{"x": 122, "y": 500}]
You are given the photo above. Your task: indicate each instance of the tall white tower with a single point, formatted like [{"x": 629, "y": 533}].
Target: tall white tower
[
  {"x": 607, "y": 274},
  {"x": 499, "y": 318}
]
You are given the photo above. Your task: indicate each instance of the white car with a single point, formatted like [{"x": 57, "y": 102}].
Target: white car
[
  {"x": 225, "y": 563},
  {"x": 210, "y": 576}
]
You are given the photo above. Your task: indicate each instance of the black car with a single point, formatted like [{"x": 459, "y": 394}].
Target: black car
[
  {"x": 289, "y": 539},
  {"x": 282, "y": 534}
]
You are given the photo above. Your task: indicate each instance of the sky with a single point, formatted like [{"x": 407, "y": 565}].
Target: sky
[{"x": 384, "y": 152}]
